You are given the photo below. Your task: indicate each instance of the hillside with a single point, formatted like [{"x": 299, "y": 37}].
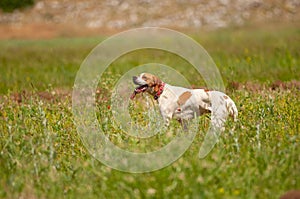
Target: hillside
[{"x": 67, "y": 17}]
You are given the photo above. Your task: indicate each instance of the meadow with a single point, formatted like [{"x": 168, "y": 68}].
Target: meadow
[{"x": 42, "y": 156}]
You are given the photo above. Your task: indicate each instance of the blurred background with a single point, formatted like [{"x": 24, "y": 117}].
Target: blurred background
[
  {"x": 254, "y": 43},
  {"x": 64, "y": 18}
]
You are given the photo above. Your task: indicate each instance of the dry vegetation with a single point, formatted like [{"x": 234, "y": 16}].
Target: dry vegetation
[{"x": 50, "y": 18}]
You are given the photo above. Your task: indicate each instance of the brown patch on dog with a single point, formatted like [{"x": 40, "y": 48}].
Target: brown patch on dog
[
  {"x": 225, "y": 97},
  {"x": 184, "y": 97},
  {"x": 203, "y": 110}
]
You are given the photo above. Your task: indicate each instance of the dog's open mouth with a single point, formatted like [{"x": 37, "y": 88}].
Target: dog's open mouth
[{"x": 139, "y": 89}]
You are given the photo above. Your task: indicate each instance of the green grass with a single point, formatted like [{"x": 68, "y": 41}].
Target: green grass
[
  {"x": 42, "y": 156},
  {"x": 241, "y": 55}
]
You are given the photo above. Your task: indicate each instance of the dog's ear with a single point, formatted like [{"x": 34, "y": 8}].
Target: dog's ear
[
  {"x": 156, "y": 88},
  {"x": 156, "y": 81},
  {"x": 157, "y": 84}
]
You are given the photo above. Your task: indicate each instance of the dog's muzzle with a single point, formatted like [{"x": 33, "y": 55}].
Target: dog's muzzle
[{"x": 140, "y": 89}]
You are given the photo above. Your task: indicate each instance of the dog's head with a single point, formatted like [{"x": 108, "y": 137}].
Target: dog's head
[{"x": 146, "y": 82}]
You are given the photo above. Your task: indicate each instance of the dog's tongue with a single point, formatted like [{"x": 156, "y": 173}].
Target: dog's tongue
[
  {"x": 138, "y": 90},
  {"x": 133, "y": 95}
]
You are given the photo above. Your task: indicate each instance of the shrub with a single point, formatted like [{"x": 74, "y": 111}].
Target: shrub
[{"x": 11, "y": 5}]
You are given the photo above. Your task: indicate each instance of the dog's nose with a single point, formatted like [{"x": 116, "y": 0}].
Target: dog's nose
[{"x": 134, "y": 78}]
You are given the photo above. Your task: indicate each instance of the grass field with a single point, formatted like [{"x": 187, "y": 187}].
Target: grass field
[{"x": 42, "y": 156}]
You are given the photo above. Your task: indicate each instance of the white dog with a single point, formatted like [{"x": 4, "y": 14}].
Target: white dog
[{"x": 182, "y": 103}]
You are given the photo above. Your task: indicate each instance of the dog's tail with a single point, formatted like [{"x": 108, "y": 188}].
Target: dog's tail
[
  {"x": 222, "y": 107},
  {"x": 231, "y": 108}
]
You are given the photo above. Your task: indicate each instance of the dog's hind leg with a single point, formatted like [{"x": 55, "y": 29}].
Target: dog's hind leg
[{"x": 184, "y": 124}]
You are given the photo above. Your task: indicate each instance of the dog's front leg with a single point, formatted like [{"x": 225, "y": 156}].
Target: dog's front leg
[
  {"x": 167, "y": 120},
  {"x": 167, "y": 116}
]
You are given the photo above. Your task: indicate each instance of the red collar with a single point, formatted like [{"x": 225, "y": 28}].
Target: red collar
[{"x": 160, "y": 91}]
